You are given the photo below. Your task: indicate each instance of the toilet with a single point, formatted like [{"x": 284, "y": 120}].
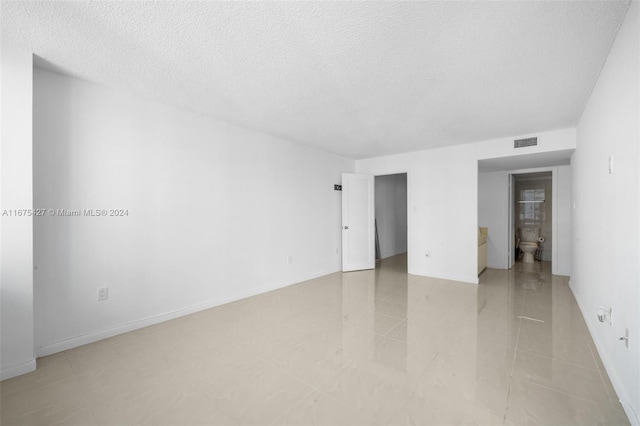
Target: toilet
[{"x": 529, "y": 242}]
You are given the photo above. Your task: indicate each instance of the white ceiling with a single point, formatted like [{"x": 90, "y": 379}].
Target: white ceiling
[{"x": 360, "y": 79}]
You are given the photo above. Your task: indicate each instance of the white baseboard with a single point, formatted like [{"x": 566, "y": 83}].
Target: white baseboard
[
  {"x": 474, "y": 279},
  {"x": 18, "y": 369},
  {"x": 386, "y": 255},
  {"x": 501, "y": 266},
  {"x": 459, "y": 278},
  {"x": 608, "y": 366},
  {"x": 84, "y": 339}
]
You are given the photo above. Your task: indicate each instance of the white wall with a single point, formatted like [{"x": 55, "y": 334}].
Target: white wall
[
  {"x": 442, "y": 192},
  {"x": 606, "y": 241},
  {"x": 214, "y": 211},
  {"x": 493, "y": 199},
  {"x": 16, "y": 277},
  {"x": 493, "y": 210},
  {"x": 391, "y": 213}
]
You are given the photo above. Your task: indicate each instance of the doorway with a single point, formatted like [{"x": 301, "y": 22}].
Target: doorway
[
  {"x": 532, "y": 217},
  {"x": 496, "y": 202},
  {"x": 391, "y": 216}
]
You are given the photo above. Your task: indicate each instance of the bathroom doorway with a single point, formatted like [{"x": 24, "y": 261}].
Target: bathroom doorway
[
  {"x": 391, "y": 217},
  {"x": 497, "y": 202},
  {"x": 531, "y": 211}
]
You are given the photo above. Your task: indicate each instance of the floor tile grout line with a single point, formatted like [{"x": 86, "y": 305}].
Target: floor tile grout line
[
  {"x": 302, "y": 398},
  {"x": 85, "y": 391},
  {"x": 343, "y": 403},
  {"x": 316, "y": 389},
  {"x": 556, "y": 359},
  {"x": 365, "y": 329},
  {"x": 282, "y": 370},
  {"x": 564, "y": 393},
  {"x": 393, "y": 328},
  {"x": 513, "y": 362},
  {"x": 515, "y": 349},
  {"x": 300, "y": 379},
  {"x": 380, "y": 313},
  {"x": 386, "y": 316},
  {"x": 606, "y": 391}
]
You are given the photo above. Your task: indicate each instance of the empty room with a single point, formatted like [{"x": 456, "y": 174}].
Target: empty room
[{"x": 320, "y": 213}]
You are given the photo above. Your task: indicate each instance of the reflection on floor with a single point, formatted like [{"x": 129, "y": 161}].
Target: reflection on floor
[{"x": 370, "y": 347}]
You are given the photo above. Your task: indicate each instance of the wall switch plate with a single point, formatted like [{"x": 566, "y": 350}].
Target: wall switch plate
[
  {"x": 289, "y": 260},
  {"x": 103, "y": 294}
]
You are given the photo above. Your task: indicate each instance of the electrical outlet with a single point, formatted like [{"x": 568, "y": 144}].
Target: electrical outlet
[
  {"x": 427, "y": 254},
  {"x": 103, "y": 294},
  {"x": 604, "y": 315}
]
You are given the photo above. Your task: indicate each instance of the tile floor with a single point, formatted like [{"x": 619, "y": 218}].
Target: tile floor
[{"x": 362, "y": 348}]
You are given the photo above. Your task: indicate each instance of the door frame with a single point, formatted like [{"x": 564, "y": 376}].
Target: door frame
[
  {"x": 554, "y": 210},
  {"x": 511, "y": 259},
  {"x": 408, "y": 199}
]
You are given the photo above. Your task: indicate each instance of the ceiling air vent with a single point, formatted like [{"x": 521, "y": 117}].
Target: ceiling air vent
[{"x": 521, "y": 143}]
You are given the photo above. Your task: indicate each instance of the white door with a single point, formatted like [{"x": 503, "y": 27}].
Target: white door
[{"x": 358, "y": 233}]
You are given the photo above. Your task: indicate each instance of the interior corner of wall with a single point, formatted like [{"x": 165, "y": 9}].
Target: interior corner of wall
[{"x": 18, "y": 369}]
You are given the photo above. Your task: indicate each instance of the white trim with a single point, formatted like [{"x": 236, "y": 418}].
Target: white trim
[
  {"x": 390, "y": 254},
  {"x": 18, "y": 369},
  {"x": 606, "y": 362},
  {"x": 459, "y": 278},
  {"x": 554, "y": 221},
  {"x": 510, "y": 260},
  {"x": 84, "y": 339},
  {"x": 501, "y": 267}
]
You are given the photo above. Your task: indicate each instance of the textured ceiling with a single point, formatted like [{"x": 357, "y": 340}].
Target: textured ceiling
[{"x": 360, "y": 79}]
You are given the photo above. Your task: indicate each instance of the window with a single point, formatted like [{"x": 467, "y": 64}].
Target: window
[{"x": 531, "y": 206}]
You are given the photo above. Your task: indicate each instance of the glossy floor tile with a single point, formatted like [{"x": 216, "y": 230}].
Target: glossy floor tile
[{"x": 378, "y": 347}]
